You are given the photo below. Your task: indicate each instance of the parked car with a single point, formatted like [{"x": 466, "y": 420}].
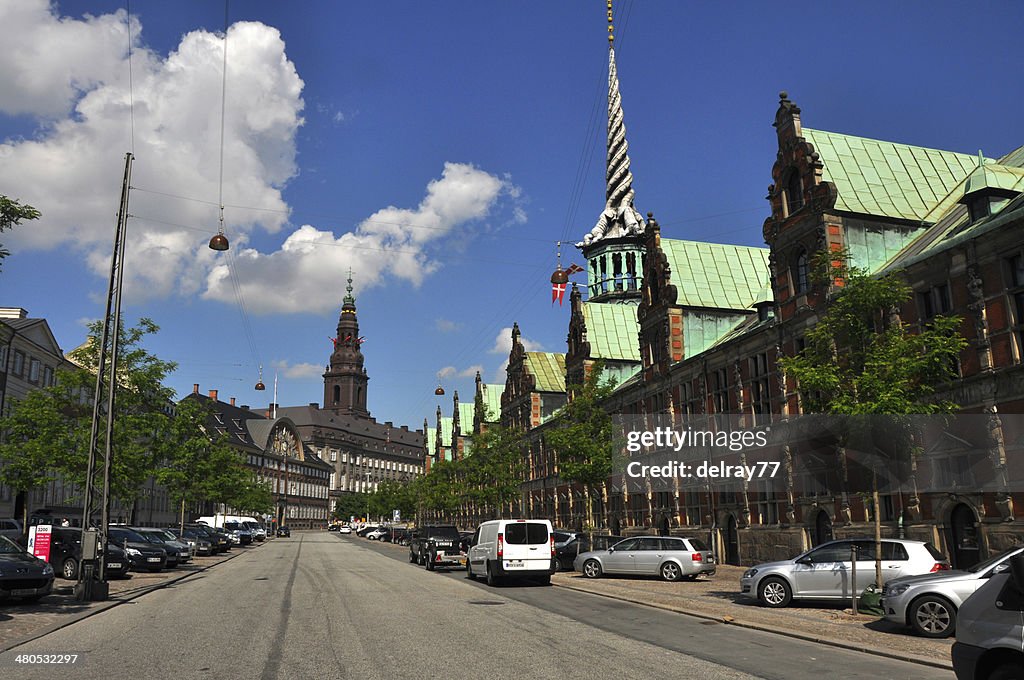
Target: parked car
[
  {"x": 345, "y": 530},
  {"x": 511, "y": 548},
  {"x": 928, "y": 603},
  {"x": 143, "y": 554},
  {"x": 990, "y": 628},
  {"x": 567, "y": 546},
  {"x": 284, "y": 532},
  {"x": 239, "y": 533},
  {"x": 66, "y": 554},
  {"x": 362, "y": 531},
  {"x": 258, "y": 532},
  {"x": 201, "y": 543},
  {"x": 670, "y": 557},
  {"x": 376, "y": 533},
  {"x": 22, "y": 576},
  {"x": 333, "y": 527},
  {"x": 824, "y": 572},
  {"x": 167, "y": 541},
  {"x": 218, "y": 539},
  {"x": 11, "y": 528}
]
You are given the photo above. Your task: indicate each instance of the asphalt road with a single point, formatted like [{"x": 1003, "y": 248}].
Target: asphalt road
[{"x": 323, "y": 606}]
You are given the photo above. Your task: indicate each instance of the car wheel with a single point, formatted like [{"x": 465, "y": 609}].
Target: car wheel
[
  {"x": 670, "y": 571},
  {"x": 412, "y": 558},
  {"x": 69, "y": 569},
  {"x": 592, "y": 569},
  {"x": 469, "y": 570},
  {"x": 1007, "y": 671},
  {"x": 430, "y": 562},
  {"x": 774, "y": 592},
  {"x": 933, "y": 616},
  {"x": 492, "y": 578}
]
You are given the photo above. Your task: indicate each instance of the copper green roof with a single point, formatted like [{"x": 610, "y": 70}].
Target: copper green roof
[
  {"x": 431, "y": 439},
  {"x": 492, "y": 401},
  {"x": 873, "y": 177},
  {"x": 446, "y": 432},
  {"x": 995, "y": 176},
  {"x": 466, "y": 410},
  {"x": 716, "y": 275},
  {"x": 548, "y": 368},
  {"x": 612, "y": 331}
]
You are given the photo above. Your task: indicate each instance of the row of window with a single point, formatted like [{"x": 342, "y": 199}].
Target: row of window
[
  {"x": 306, "y": 512},
  {"x": 27, "y": 367},
  {"x": 365, "y": 461}
]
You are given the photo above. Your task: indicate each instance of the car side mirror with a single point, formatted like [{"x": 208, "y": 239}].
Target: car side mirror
[
  {"x": 805, "y": 560},
  {"x": 611, "y": 549},
  {"x": 999, "y": 569}
]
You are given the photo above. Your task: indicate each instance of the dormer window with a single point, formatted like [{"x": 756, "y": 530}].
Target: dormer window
[{"x": 794, "y": 192}]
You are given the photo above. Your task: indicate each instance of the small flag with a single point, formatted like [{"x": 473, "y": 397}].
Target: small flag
[
  {"x": 573, "y": 269},
  {"x": 557, "y": 293}
]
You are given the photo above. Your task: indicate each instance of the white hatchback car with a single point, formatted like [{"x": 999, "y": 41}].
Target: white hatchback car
[{"x": 345, "y": 530}]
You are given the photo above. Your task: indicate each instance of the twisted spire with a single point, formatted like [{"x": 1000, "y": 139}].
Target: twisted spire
[{"x": 619, "y": 217}]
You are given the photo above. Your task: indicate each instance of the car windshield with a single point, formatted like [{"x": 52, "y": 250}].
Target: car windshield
[
  {"x": 232, "y": 526},
  {"x": 526, "y": 533},
  {"x": 9, "y": 547},
  {"x": 121, "y": 535},
  {"x": 560, "y": 536},
  {"x": 152, "y": 536},
  {"x": 251, "y": 525},
  {"x": 982, "y": 566}
]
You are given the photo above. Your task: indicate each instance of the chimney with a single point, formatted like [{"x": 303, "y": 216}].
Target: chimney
[
  {"x": 213, "y": 395},
  {"x": 195, "y": 388},
  {"x": 232, "y": 401}
]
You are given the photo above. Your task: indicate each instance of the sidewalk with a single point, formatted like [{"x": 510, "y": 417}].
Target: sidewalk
[
  {"x": 718, "y": 598},
  {"x": 20, "y": 623}
]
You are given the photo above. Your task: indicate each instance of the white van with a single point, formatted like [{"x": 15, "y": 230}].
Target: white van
[
  {"x": 217, "y": 521},
  {"x": 512, "y": 547}
]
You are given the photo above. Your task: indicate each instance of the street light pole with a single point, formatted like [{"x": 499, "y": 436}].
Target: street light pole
[{"x": 92, "y": 581}]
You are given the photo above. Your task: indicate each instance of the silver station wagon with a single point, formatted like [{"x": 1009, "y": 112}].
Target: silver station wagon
[
  {"x": 666, "y": 556},
  {"x": 826, "y": 572}
]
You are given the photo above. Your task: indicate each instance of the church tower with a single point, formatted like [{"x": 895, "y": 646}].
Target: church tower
[
  {"x": 614, "y": 247},
  {"x": 345, "y": 379}
]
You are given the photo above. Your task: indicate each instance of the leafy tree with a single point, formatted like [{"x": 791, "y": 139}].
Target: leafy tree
[
  {"x": 584, "y": 438},
  {"x": 13, "y": 213},
  {"x": 193, "y": 458},
  {"x": 350, "y": 505},
  {"x": 140, "y": 410},
  {"x": 492, "y": 473},
  {"x": 861, "y": 359},
  {"x": 33, "y": 434}
]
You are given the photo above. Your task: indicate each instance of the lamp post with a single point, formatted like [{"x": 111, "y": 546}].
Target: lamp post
[{"x": 92, "y": 577}]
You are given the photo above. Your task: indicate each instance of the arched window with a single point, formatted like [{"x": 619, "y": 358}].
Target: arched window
[
  {"x": 794, "y": 192},
  {"x": 800, "y": 273}
]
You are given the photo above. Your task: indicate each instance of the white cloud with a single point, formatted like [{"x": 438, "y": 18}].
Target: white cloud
[
  {"x": 447, "y": 326},
  {"x": 393, "y": 242},
  {"x": 302, "y": 370},
  {"x": 446, "y": 372},
  {"x": 71, "y": 170}
]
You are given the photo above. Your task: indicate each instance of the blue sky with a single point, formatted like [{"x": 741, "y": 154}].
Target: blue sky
[{"x": 439, "y": 149}]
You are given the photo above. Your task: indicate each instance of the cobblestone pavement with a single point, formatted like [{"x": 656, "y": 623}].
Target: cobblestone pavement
[
  {"x": 22, "y": 622},
  {"x": 718, "y": 598}
]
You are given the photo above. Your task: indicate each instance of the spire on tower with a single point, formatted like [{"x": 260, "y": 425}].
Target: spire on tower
[{"x": 619, "y": 217}]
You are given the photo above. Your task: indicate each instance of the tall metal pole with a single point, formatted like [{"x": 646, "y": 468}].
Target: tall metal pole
[{"x": 94, "y": 544}]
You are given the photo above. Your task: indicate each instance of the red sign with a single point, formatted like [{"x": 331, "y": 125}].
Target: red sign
[{"x": 39, "y": 541}]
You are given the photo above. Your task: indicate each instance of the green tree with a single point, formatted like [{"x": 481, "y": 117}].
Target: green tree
[
  {"x": 140, "y": 410},
  {"x": 350, "y": 505},
  {"x": 584, "y": 438},
  {"x": 13, "y": 213},
  {"x": 192, "y": 457},
  {"x": 34, "y": 433},
  {"x": 860, "y": 359},
  {"x": 492, "y": 473}
]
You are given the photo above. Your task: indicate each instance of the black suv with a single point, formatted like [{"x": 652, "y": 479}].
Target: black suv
[
  {"x": 436, "y": 546},
  {"x": 66, "y": 554}
]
